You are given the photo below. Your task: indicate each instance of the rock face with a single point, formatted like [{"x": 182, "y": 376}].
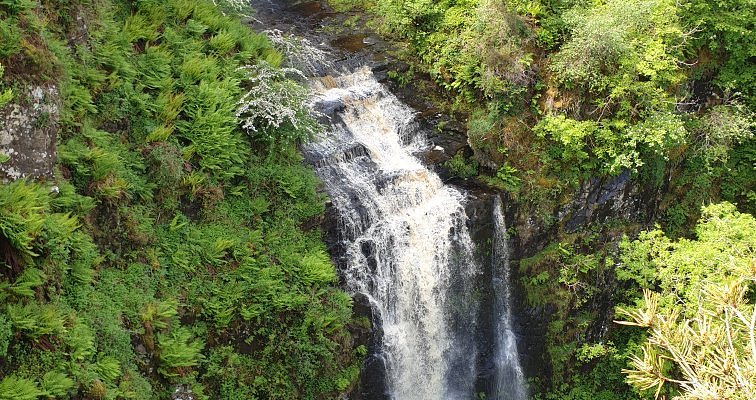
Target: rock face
[
  {"x": 596, "y": 202},
  {"x": 528, "y": 324},
  {"x": 599, "y": 201},
  {"x": 28, "y": 130}
]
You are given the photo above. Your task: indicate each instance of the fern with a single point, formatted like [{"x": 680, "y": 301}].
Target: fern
[
  {"x": 155, "y": 68},
  {"x": 56, "y": 384},
  {"x": 222, "y": 43},
  {"x": 80, "y": 341},
  {"x": 36, "y": 320},
  {"x": 138, "y": 27},
  {"x": 198, "y": 67},
  {"x": 108, "y": 368},
  {"x": 15, "y": 388},
  {"x": 160, "y": 133},
  {"x": 159, "y": 314},
  {"x": 178, "y": 350},
  {"x": 21, "y": 215},
  {"x": 316, "y": 268},
  {"x": 25, "y": 284},
  {"x": 169, "y": 106},
  {"x": 6, "y": 96},
  {"x": 6, "y": 334}
]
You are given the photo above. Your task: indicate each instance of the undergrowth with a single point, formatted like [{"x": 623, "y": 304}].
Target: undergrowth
[{"x": 170, "y": 252}]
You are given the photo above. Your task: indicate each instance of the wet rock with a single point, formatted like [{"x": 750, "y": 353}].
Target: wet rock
[
  {"x": 329, "y": 108},
  {"x": 372, "y": 384},
  {"x": 436, "y": 155},
  {"x": 351, "y": 43},
  {"x": 28, "y": 130},
  {"x": 182, "y": 392},
  {"x": 599, "y": 201},
  {"x": 528, "y": 323}
]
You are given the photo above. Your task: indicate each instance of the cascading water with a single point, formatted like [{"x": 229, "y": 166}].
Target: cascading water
[
  {"x": 509, "y": 382},
  {"x": 405, "y": 242}
]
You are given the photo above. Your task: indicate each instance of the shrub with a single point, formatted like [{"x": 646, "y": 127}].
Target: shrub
[
  {"x": 460, "y": 167},
  {"x": 274, "y": 105}
]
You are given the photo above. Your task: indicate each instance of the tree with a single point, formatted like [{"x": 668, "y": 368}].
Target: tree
[
  {"x": 620, "y": 48},
  {"x": 724, "y": 42}
]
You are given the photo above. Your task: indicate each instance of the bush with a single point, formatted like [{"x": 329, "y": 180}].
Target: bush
[
  {"x": 275, "y": 104},
  {"x": 460, "y": 167}
]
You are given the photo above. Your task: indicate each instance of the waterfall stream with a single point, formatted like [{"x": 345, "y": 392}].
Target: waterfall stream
[
  {"x": 509, "y": 382},
  {"x": 405, "y": 245}
]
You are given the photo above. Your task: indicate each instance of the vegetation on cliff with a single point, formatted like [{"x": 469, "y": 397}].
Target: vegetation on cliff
[
  {"x": 174, "y": 251},
  {"x": 698, "y": 307},
  {"x": 177, "y": 247},
  {"x": 562, "y": 91},
  {"x": 561, "y": 94}
]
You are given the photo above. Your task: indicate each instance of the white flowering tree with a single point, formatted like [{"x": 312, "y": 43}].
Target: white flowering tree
[
  {"x": 300, "y": 53},
  {"x": 234, "y": 7},
  {"x": 275, "y": 107}
]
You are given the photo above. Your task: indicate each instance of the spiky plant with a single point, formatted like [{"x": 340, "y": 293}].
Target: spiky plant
[{"x": 713, "y": 354}]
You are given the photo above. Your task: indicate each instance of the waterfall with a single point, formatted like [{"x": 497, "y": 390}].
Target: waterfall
[
  {"x": 404, "y": 237},
  {"x": 509, "y": 382},
  {"x": 402, "y": 240}
]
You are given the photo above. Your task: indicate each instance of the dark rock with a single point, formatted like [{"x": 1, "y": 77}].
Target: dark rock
[
  {"x": 436, "y": 155},
  {"x": 597, "y": 201},
  {"x": 329, "y": 108},
  {"x": 529, "y": 323}
]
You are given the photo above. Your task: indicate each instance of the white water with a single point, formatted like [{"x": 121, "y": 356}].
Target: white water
[
  {"x": 509, "y": 381},
  {"x": 405, "y": 241}
]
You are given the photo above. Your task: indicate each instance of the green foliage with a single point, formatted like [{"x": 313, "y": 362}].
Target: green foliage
[
  {"x": 623, "y": 55},
  {"x": 10, "y": 32},
  {"x": 23, "y": 206},
  {"x": 169, "y": 222},
  {"x": 613, "y": 44},
  {"x": 460, "y": 167},
  {"x": 505, "y": 179},
  {"x": 587, "y": 146},
  {"x": 725, "y": 240},
  {"x": 15, "y": 388},
  {"x": 6, "y": 96},
  {"x": 6, "y": 334},
  {"x": 723, "y": 42},
  {"x": 471, "y": 48},
  {"x": 178, "y": 350},
  {"x": 704, "y": 326},
  {"x": 56, "y": 384},
  {"x": 722, "y": 128}
]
